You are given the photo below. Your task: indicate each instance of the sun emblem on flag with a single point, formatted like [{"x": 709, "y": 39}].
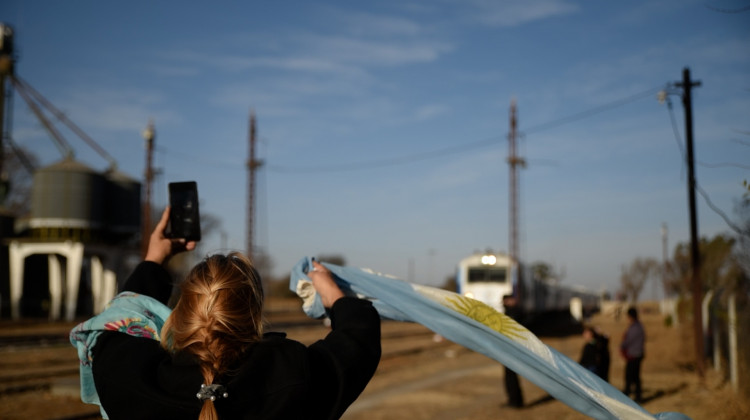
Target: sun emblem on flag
[{"x": 488, "y": 316}]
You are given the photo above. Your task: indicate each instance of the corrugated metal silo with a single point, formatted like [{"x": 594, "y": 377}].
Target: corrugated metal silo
[{"x": 67, "y": 196}]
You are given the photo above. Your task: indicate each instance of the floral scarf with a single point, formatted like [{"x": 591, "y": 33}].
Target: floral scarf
[{"x": 129, "y": 313}]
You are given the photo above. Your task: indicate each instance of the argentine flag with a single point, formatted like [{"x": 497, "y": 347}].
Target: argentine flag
[{"x": 477, "y": 326}]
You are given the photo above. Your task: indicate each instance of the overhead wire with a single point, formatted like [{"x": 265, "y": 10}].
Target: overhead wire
[
  {"x": 677, "y": 137},
  {"x": 378, "y": 163},
  {"x": 717, "y": 210},
  {"x": 588, "y": 113},
  {"x": 401, "y": 160},
  {"x": 416, "y": 157},
  {"x": 219, "y": 164},
  {"x": 728, "y": 11},
  {"x": 697, "y": 186},
  {"x": 452, "y": 150},
  {"x": 724, "y": 165}
]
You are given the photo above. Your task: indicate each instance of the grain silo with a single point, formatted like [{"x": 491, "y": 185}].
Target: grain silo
[{"x": 67, "y": 201}]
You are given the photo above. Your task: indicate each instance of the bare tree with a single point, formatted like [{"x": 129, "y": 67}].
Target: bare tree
[{"x": 636, "y": 275}]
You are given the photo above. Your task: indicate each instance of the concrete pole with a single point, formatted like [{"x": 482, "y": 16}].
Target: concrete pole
[{"x": 734, "y": 377}]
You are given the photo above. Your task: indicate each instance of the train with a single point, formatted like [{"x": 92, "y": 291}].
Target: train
[{"x": 515, "y": 290}]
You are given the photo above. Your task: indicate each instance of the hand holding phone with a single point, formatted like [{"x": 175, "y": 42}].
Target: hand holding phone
[
  {"x": 160, "y": 247},
  {"x": 184, "y": 215}
]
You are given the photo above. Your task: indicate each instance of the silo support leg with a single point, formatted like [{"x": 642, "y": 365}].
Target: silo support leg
[
  {"x": 96, "y": 282},
  {"x": 16, "y": 279},
  {"x": 73, "y": 280},
  {"x": 55, "y": 286}
]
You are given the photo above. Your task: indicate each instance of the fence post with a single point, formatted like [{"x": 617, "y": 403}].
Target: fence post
[
  {"x": 733, "y": 372},
  {"x": 716, "y": 327},
  {"x": 706, "y": 317}
]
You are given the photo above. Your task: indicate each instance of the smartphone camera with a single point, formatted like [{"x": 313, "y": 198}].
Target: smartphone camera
[{"x": 184, "y": 216}]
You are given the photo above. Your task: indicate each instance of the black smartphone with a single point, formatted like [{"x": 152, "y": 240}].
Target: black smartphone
[{"x": 184, "y": 216}]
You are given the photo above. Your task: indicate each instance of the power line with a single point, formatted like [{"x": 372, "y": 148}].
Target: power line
[
  {"x": 460, "y": 148},
  {"x": 219, "y": 164},
  {"x": 678, "y": 139},
  {"x": 717, "y": 210},
  {"x": 676, "y": 132},
  {"x": 724, "y": 165},
  {"x": 402, "y": 160},
  {"x": 451, "y": 150},
  {"x": 588, "y": 113},
  {"x": 379, "y": 163},
  {"x": 728, "y": 11},
  {"x": 700, "y": 190}
]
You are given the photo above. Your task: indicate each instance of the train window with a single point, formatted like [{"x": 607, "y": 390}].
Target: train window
[{"x": 487, "y": 275}]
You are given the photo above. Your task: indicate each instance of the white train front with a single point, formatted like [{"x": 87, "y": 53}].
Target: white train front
[{"x": 491, "y": 278}]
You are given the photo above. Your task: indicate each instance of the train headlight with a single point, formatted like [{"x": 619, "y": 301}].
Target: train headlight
[{"x": 489, "y": 259}]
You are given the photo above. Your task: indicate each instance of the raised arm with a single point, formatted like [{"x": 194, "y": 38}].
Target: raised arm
[
  {"x": 323, "y": 283},
  {"x": 345, "y": 361},
  {"x": 161, "y": 248},
  {"x": 150, "y": 277}
]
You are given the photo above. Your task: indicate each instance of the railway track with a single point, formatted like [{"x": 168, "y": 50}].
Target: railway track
[
  {"x": 27, "y": 341},
  {"x": 39, "y": 357}
]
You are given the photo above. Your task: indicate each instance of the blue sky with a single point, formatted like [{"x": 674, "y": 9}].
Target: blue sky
[{"x": 415, "y": 95}]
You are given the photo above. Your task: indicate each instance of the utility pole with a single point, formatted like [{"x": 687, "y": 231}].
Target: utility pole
[
  {"x": 514, "y": 161},
  {"x": 252, "y": 165},
  {"x": 513, "y": 305},
  {"x": 149, "y": 134},
  {"x": 697, "y": 286}
]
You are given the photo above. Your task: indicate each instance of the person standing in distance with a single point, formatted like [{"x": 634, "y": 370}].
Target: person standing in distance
[{"x": 632, "y": 349}]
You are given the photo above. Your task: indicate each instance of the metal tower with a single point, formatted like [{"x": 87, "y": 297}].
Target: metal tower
[
  {"x": 514, "y": 161},
  {"x": 252, "y": 165}
]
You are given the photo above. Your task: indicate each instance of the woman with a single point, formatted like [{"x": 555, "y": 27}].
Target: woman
[
  {"x": 589, "y": 355},
  {"x": 595, "y": 353},
  {"x": 214, "y": 361}
]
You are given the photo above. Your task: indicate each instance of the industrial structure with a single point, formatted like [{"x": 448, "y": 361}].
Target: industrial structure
[
  {"x": 253, "y": 164},
  {"x": 83, "y": 223},
  {"x": 514, "y": 162}
]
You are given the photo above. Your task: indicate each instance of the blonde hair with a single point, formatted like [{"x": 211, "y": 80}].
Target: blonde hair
[{"x": 217, "y": 317}]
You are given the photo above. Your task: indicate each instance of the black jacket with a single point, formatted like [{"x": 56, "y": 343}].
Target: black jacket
[{"x": 277, "y": 378}]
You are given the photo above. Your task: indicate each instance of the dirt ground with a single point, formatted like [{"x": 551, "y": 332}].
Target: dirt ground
[
  {"x": 442, "y": 381},
  {"x": 466, "y": 385}
]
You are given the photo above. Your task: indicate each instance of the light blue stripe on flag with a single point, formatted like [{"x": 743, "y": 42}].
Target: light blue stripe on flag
[{"x": 478, "y": 327}]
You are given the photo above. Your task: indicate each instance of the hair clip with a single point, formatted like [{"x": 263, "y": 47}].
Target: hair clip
[{"x": 211, "y": 392}]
